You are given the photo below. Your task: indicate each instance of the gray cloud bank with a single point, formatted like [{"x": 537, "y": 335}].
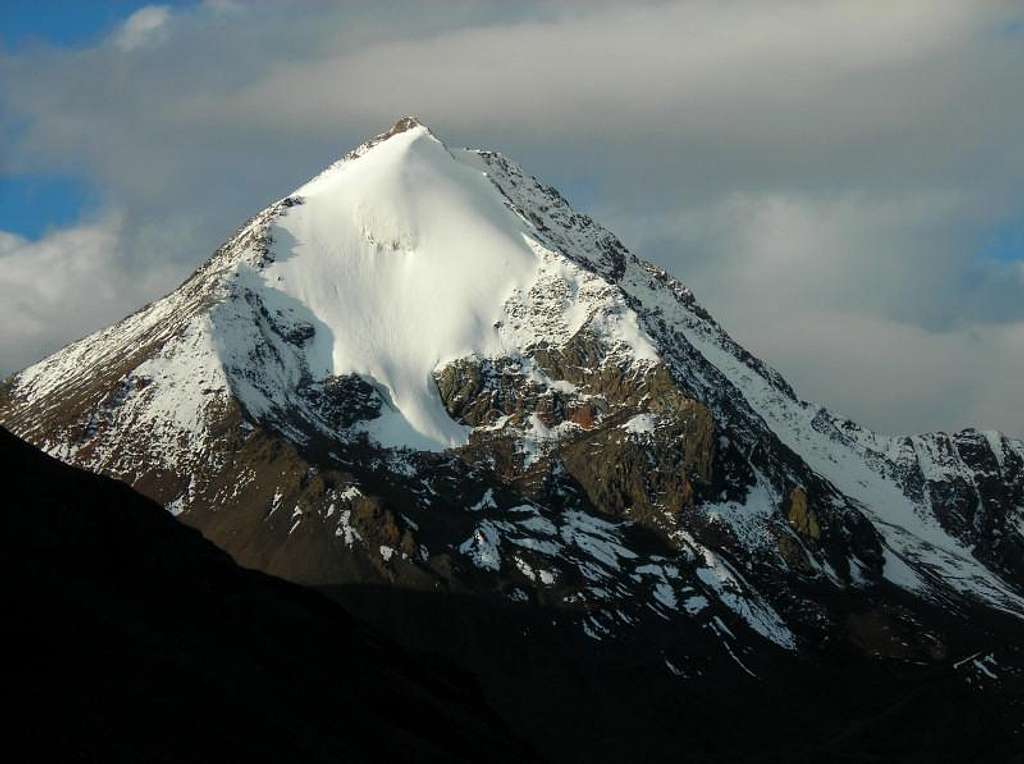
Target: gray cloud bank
[{"x": 826, "y": 176}]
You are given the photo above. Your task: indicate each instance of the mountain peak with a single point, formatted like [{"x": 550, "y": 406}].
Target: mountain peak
[
  {"x": 407, "y": 122},
  {"x": 403, "y": 125}
]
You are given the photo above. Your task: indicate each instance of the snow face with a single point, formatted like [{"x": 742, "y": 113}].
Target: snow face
[{"x": 406, "y": 257}]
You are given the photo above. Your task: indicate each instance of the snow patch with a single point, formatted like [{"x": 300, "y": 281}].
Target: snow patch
[{"x": 641, "y": 424}]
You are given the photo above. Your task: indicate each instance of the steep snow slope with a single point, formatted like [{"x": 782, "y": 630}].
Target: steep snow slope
[{"x": 407, "y": 257}]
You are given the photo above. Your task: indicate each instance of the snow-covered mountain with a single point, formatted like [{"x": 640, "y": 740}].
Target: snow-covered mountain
[{"x": 424, "y": 370}]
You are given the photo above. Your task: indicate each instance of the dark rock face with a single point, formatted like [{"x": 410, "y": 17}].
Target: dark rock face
[
  {"x": 980, "y": 503},
  {"x": 122, "y": 624},
  {"x": 634, "y": 443},
  {"x": 343, "y": 401}
]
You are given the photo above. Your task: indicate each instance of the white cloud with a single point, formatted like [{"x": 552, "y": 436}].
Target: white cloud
[
  {"x": 65, "y": 285},
  {"x": 142, "y": 27}
]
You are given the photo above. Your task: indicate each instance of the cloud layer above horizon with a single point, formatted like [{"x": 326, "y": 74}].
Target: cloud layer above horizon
[{"x": 841, "y": 183}]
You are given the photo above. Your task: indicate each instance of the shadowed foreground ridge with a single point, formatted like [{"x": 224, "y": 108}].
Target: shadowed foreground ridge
[{"x": 130, "y": 637}]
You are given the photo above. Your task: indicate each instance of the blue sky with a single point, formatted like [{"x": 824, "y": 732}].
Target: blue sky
[
  {"x": 1006, "y": 242},
  {"x": 67, "y": 23},
  {"x": 842, "y": 185},
  {"x": 33, "y": 204}
]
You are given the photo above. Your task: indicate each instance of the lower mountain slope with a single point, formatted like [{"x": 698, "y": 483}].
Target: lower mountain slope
[{"x": 131, "y": 638}]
